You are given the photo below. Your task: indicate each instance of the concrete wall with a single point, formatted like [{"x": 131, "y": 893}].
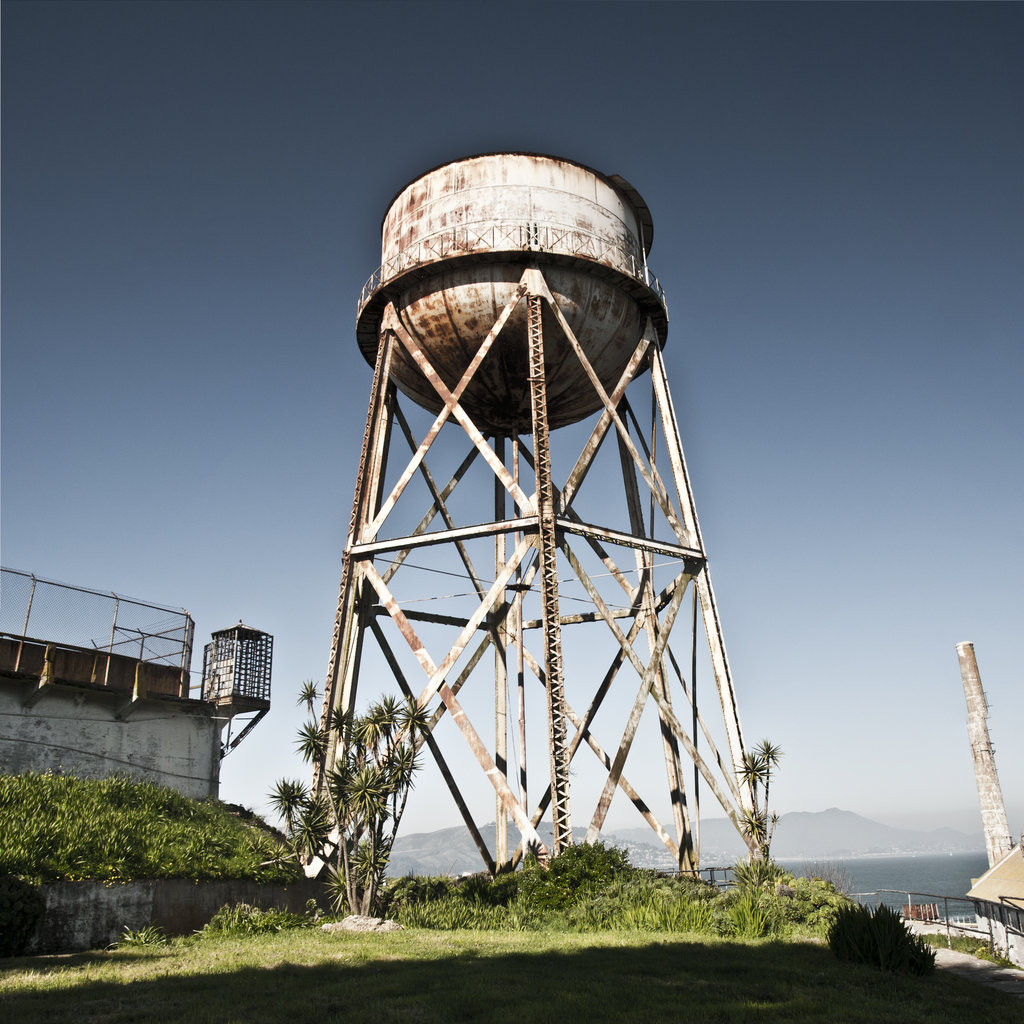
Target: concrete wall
[
  {"x": 76, "y": 730},
  {"x": 92, "y": 915},
  {"x": 1006, "y": 925}
]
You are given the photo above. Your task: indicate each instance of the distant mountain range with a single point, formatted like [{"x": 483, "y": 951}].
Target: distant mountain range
[{"x": 824, "y": 835}]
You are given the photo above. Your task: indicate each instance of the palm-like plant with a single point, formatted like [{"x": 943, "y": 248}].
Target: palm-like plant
[
  {"x": 288, "y": 797},
  {"x": 312, "y": 743},
  {"x": 351, "y": 822},
  {"x": 755, "y": 771},
  {"x": 309, "y": 694}
]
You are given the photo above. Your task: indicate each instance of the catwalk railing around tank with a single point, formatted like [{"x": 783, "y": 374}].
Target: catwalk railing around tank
[
  {"x": 519, "y": 236},
  {"x": 93, "y": 620}
]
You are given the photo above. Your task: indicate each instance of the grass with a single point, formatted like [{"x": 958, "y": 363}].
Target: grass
[
  {"x": 117, "y": 829},
  {"x": 305, "y": 976},
  {"x": 976, "y": 947}
]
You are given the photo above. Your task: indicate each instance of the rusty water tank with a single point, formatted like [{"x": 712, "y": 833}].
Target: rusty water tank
[{"x": 454, "y": 245}]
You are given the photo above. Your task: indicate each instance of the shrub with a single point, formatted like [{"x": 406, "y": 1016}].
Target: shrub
[
  {"x": 751, "y": 916},
  {"x": 759, "y": 874},
  {"x": 693, "y": 887},
  {"x": 412, "y": 890},
  {"x": 970, "y": 945},
  {"x": 585, "y": 888},
  {"x": 879, "y": 938},
  {"x": 243, "y": 919},
  {"x": 21, "y": 909},
  {"x": 811, "y": 902},
  {"x": 575, "y": 874}
]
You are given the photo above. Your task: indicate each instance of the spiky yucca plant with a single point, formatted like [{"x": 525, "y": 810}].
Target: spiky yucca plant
[
  {"x": 755, "y": 771},
  {"x": 350, "y": 822}
]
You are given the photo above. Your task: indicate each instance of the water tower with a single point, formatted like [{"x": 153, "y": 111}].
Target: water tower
[{"x": 514, "y": 307}]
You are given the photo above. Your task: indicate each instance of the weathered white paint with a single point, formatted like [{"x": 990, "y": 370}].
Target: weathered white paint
[
  {"x": 990, "y": 795},
  {"x": 509, "y": 188},
  {"x": 454, "y": 245},
  {"x": 1005, "y": 925},
  {"x": 77, "y": 731}
]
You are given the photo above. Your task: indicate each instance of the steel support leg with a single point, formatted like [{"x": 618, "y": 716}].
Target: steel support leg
[{"x": 548, "y": 545}]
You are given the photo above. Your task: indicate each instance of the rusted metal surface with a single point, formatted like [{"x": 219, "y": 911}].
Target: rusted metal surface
[
  {"x": 427, "y": 738},
  {"x": 421, "y": 540},
  {"x": 548, "y": 545},
  {"x": 484, "y": 191},
  {"x": 454, "y": 243},
  {"x": 705, "y": 591},
  {"x": 503, "y": 336},
  {"x": 646, "y": 684},
  {"x": 438, "y": 685},
  {"x": 670, "y": 748},
  {"x": 439, "y": 504},
  {"x": 691, "y": 556},
  {"x": 998, "y": 842},
  {"x": 450, "y": 407},
  {"x": 428, "y": 518},
  {"x": 583, "y": 734},
  {"x": 344, "y": 618},
  {"x": 590, "y": 449},
  {"x": 648, "y": 471},
  {"x": 498, "y": 638}
]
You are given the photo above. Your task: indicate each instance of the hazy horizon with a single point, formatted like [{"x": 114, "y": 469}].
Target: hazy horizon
[{"x": 192, "y": 200}]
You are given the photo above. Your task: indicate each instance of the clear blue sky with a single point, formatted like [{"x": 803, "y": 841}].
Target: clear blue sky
[{"x": 192, "y": 196}]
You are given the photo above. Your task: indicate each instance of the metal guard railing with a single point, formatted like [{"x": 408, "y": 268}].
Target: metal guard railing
[
  {"x": 519, "y": 236},
  {"x": 94, "y": 619}
]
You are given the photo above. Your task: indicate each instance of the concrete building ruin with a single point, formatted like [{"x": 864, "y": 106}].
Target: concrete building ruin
[{"x": 94, "y": 684}]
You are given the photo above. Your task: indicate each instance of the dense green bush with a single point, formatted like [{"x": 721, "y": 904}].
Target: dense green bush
[
  {"x": 519, "y": 899},
  {"x": 412, "y": 890},
  {"x": 880, "y": 938},
  {"x": 21, "y": 907},
  {"x": 244, "y": 919},
  {"x": 578, "y": 872},
  {"x": 812, "y": 902},
  {"x": 594, "y": 888},
  {"x": 117, "y": 829}
]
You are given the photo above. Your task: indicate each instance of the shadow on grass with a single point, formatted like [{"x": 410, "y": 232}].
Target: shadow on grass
[
  {"x": 660, "y": 981},
  {"x": 48, "y": 963}
]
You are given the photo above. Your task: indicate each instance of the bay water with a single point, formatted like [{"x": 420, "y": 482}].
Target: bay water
[{"x": 929, "y": 875}]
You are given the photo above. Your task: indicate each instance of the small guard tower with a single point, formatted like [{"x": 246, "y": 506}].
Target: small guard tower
[{"x": 236, "y": 677}]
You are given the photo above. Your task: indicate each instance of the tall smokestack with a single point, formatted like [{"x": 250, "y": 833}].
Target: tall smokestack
[{"x": 993, "y": 811}]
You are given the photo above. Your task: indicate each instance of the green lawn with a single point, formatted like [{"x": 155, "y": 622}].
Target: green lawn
[{"x": 506, "y": 978}]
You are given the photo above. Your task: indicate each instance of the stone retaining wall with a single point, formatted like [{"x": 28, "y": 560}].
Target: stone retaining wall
[{"x": 92, "y": 915}]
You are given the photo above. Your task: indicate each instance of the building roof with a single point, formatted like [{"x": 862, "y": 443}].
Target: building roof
[{"x": 1004, "y": 881}]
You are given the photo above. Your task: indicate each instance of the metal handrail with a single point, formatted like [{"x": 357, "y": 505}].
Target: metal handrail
[
  {"x": 66, "y": 609},
  {"x": 960, "y": 927},
  {"x": 517, "y": 236}
]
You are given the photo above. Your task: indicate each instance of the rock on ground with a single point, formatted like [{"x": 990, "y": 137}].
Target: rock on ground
[{"x": 358, "y": 923}]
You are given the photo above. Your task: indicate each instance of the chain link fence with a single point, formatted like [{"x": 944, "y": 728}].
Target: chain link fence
[{"x": 44, "y": 610}]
